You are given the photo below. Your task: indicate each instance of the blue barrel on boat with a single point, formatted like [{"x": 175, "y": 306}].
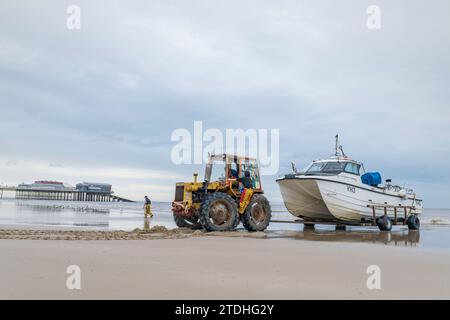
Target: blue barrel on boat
[{"x": 371, "y": 178}]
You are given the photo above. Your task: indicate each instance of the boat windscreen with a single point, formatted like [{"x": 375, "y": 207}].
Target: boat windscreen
[
  {"x": 315, "y": 167},
  {"x": 326, "y": 167},
  {"x": 334, "y": 167}
]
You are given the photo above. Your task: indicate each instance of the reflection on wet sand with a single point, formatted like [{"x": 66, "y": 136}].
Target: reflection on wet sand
[
  {"x": 57, "y": 215},
  {"x": 47, "y": 208},
  {"x": 146, "y": 224},
  {"x": 103, "y": 225},
  {"x": 404, "y": 237}
]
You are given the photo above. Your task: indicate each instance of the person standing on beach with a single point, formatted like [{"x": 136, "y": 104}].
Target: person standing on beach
[{"x": 147, "y": 207}]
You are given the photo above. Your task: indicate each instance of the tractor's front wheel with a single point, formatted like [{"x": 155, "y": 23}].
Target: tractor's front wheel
[
  {"x": 258, "y": 214},
  {"x": 187, "y": 222},
  {"x": 219, "y": 212}
]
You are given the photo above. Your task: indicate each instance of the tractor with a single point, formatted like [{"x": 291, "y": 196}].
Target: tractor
[{"x": 214, "y": 204}]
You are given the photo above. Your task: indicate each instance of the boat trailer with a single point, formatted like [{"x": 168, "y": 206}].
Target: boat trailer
[{"x": 402, "y": 216}]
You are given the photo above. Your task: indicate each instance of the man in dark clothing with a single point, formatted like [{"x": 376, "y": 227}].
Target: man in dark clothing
[
  {"x": 247, "y": 193},
  {"x": 246, "y": 180}
]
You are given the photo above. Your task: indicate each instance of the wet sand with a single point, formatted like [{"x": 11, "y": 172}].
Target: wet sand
[
  {"x": 181, "y": 264},
  {"x": 156, "y": 232},
  {"x": 398, "y": 237}
]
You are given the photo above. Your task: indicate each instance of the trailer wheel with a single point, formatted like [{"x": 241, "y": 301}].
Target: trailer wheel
[
  {"x": 187, "y": 222},
  {"x": 413, "y": 222},
  {"x": 219, "y": 212},
  {"x": 258, "y": 213},
  {"x": 384, "y": 223}
]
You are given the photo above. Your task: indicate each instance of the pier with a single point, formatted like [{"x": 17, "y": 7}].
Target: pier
[{"x": 29, "y": 193}]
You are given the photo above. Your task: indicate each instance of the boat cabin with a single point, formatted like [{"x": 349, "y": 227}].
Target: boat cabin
[{"x": 333, "y": 167}]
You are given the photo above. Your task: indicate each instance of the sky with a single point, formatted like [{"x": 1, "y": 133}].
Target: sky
[{"x": 100, "y": 103}]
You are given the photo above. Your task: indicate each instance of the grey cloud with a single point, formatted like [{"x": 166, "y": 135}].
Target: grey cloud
[
  {"x": 55, "y": 165},
  {"x": 112, "y": 92}
]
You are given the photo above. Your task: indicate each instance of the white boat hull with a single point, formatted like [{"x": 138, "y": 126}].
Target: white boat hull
[
  {"x": 303, "y": 199},
  {"x": 330, "y": 199}
]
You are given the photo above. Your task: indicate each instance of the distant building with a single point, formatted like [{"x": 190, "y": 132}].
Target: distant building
[
  {"x": 56, "y": 190},
  {"x": 47, "y": 185},
  {"x": 94, "y": 187}
]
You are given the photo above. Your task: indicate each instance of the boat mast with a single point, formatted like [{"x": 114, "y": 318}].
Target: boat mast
[
  {"x": 339, "y": 150},
  {"x": 336, "y": 153}
]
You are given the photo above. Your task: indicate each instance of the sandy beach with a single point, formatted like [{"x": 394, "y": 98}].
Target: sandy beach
[{"x": 215, "y": 266}]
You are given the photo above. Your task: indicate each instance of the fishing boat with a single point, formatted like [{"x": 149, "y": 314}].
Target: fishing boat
[{"x": 339, "y": 190}]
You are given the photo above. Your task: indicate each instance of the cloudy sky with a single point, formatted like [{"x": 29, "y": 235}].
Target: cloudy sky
[{"x": 100, "y": 103}]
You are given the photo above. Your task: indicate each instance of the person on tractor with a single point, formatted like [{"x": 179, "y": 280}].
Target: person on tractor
[
  {"x": 247, "y": 193},
  {"x": 233, "y": 174}
]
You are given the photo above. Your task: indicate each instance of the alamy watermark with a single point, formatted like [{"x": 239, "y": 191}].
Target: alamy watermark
[
  {"x": 195, "y": 147},
  {"x": 373, "y": 17},
  {"x": 73, "y": 281},
  {"x": 73, "y": 21},
  {"x": 374, "y": 280}
]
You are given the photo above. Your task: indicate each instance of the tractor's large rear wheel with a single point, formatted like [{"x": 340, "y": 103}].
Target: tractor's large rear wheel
[
  {"x": 219, "y": 212},
  {"x": 187, "y": 222},
  {"x": 258, "y": 214}
]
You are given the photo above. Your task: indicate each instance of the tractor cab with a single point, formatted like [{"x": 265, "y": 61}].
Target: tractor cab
[{"x": 226, "y": 169}]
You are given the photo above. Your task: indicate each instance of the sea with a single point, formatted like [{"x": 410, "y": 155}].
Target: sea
[{"x": 434, "y": 232}]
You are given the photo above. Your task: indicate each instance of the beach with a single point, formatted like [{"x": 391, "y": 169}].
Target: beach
[
  {"x": 219, "y": 267},
  {"x": 123, "y": 256}
]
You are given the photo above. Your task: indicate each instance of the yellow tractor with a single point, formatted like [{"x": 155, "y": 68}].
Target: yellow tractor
[{"x": 214, "y": 204}]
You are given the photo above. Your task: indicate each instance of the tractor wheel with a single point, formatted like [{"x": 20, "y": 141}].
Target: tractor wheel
[
  {"x": 187, "y": 222},
  {"x": 219, "y": 212},
  {"x": 258, "y": 213}
]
